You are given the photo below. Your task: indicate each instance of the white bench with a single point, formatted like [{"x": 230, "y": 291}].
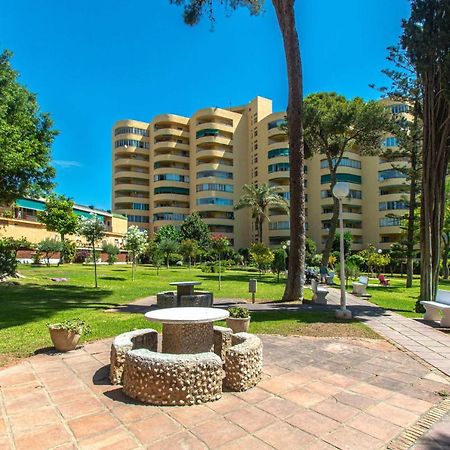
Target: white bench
[
  {"x": 360, "y": 286},
  {"x": 441, "y": 305},
  {"x": 319, "y": 293}
]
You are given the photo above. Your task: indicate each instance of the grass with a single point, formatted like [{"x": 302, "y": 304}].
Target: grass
[{"x": 26, "y": 309}]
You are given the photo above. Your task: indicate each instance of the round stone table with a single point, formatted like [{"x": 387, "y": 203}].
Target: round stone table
[
  {"x": 184, "y": 288},
  {"x": 187, "y": 330}
]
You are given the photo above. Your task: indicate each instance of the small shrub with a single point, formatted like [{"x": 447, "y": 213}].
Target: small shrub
[
  {"x": 237, "y": 312},
  {"x": 73, "y": 325},
  {"x": 81, "y": 256}
]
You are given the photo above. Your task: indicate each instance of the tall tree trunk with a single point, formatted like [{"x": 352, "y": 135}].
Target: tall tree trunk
[
  {"x": 260, "y": 229},
  {"x": 61, "y": 255},
  {"x": 333, "y": 222},
  {"x": 445, "y": 251},
  {"x": 94, "y": 255},
  {"x": 286, "y": 20},
  {"x": 411, "y": 222}
]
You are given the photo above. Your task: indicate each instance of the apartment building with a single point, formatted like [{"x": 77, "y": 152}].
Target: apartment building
[{"x": 166, "y": 169}]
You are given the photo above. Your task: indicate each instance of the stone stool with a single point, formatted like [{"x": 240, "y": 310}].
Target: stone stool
[
  {"x": 145, "y": 338},
  {"x": 166, "y": 299},
  {"x": 243, "y": 362},
  {"x": 172, "y": 380}
]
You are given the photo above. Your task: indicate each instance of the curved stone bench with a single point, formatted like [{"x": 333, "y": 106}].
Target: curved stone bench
[
  {"x": 197, "y": 299},
  {"x": 172, "y": 380},
  {"x": 145, "y": 338},
  {"x": 222, "y": 340},
  {"x": 166, "y": 299},
  {"x": 243, "y": 362}
]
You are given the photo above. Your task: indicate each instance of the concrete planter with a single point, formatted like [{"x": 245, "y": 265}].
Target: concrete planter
[
  {"x": 238, "y": 325},
  {"x": 64, "y": 340}
]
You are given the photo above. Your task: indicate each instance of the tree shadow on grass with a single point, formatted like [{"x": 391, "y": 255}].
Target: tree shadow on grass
[
  {"x": 31, "y": 302},
  {"x": 113, "y": 278}
]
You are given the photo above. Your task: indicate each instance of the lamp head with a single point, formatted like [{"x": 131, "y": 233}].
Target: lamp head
[{"x": 341, "y": 190}]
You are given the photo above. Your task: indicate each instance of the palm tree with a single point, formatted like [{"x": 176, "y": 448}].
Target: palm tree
[{"x": 260, "y": 199}]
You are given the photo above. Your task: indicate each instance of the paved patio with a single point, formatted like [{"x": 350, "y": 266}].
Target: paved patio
[{"x": 316, "y": 394}]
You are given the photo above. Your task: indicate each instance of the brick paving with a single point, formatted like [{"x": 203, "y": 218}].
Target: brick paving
[{"x": 316, "y": 394}]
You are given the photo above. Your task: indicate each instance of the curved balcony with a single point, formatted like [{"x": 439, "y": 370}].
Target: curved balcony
[
  {"x": 126, "y": 151},
  {"x": 346, "y": 216},
  {"x": 130, "y": 162},
  {"x": 215, "y": 166},
  {"x": 174, "y": 184},
  {"x": 279, "y": 178},
  {"x": 214, "y": 139},
  {"x": 171, "y": 130},
  {"x": 130, "y": 186},
  {"x": 393, "y": 182},
  {"x": 223, "y": 208},
  {"x": 214, "y": 153},
  {"x": 170, "y": 158},
  {"x": 170, "y": 145},
  {"x": 394, "y": 196},
  {"x": 277, "y": 145},
  {"x": 131, "y": 174},
  {"x": 280, "y": 232},
  {"x": 277, "y": 134},
  {"x": 214, "y": 125}
]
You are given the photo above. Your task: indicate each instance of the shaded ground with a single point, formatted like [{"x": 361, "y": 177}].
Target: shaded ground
[{"x": 316, "y": 394}]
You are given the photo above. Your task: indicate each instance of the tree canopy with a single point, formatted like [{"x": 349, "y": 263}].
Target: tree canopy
[
  {"x": 194, "y": 228},
  {"x": 26, "y": 136}
]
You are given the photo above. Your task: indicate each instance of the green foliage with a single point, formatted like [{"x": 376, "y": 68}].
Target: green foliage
[
  {"x": 237, "y": 312},
  {"x": 194, "y": 228},
  {"x": 351, "y": 270},
  {"x": 310, "y": 251},
  {"x": 59, "y": 216},
  {"x": 69, "y": 249},
  {"x": 261, "y": 255},
  {"x": 77, "y": 326},
  {"x": 49, "y": 247},
  {"x": 374, "y": 259},
  {"x": 279, "y": 262},
  {"x": 355, "y": 259},
  {"x": 348, "y": 240},
  {"x": 8, "y": 254},
  {"x": 189, "y": 249},
  {"x": 219, "y": 244},
  {"x": 112, "y": 251},
  {"x": 168, "y": 232},
  {"x": 168, "y": 247},
  {"x": 26, "y": 136}
]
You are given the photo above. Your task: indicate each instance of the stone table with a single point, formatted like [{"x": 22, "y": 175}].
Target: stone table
[
  {"x": 184, "y": 288},
  {"x": 187, "y": 330}
]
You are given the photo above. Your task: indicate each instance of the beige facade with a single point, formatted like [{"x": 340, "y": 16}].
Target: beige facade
[{"x": 168, "y": 168}]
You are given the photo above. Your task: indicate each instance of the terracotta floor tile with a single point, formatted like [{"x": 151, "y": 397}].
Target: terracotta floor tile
[
  {"x": 392, "y": 414},
  {"x": 313, "y": 422},
  {"x": 356, "y": 400},
  {"x": 279, "y": 407},
  {"x": 371, "y": 391},
  {"x": 193, "y": 415},
  {"x": 92, "y": 424},
  {"x": 31, "y": 418},
  {"x": 284, "y": 436},
  {"x": 154, "y": 428},
  {"x": 183, "y": 441},
  {"x": 132, "y": 413},
  {"x": 35, "y": 399},
  {"x": 303, "y": 397},
  {"x": 340, "y": 380},
  {"x": 374, "y": 426},
  {"x": 277, "y": 385},
  {"x": 251, "y": 418},
  {"x": 217, "y": 432},
  {"x": 323, "y": 388},
  {"x": 115, "y": 439},
  {"x": 85, "y": 404},
  {"x": 335, "y": 410},
  {"x": 409, "y": 403},
  {"x": 245, "y": 443},
  {"x": 351, "y": 439},
  {"x": 254, "y": 395},
  {"x": 227, "y": 404},
  {"x": 43, "y": 437}
]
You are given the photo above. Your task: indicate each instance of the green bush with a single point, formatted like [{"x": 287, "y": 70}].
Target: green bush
[
  {"x": 112, "y": 251},
  {"x": 69, "y": 250},
  {"x": 213, "y": 267},
  {"x": 237, "y": 312}
]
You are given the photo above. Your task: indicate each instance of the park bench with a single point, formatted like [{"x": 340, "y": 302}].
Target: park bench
[
  {"x": 319, "y": 293},
  {"x": 441, "y": 305},
  {"x": 360, "y": 286}
]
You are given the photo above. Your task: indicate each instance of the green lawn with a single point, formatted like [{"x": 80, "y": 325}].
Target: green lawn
[{"x": 26, "y": 309}]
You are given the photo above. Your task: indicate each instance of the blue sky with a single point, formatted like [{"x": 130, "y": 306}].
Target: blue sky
[{"x": 93, "y": 62}]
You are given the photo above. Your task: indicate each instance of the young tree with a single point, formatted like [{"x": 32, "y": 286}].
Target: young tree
[
  {"x": 262, "y": 256},
  {"x": 112, "y": 251},
  {"x": 49, "y": 247},
  {"x": 93, "y": 230},
  {"x": 219, "y": 245},
  {"x": 59, "y": 217},
  {"x": 348, "y": 239},
  {"x": 310, "y": 251},
  {"x": 26, "y": 136},
  {"x": 279, "y": 262},
  {"x": 426, "y": 41},
  {"x": 8, "y": 255},
  {"x": 195, "y": 229},
  {"x": 259, "y": 199},
  {"x": 189, "y": 250},
  {"x": 168, "y": 232},
  {"x": 168, "y": 247},
  {"x": 135, "y": 243},
  {"x": 334, "y": 125},
  {"x": 284, "y": 10}
]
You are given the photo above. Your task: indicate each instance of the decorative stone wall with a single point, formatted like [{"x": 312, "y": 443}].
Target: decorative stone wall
[
  {"x": 166, "y": 299},
  {"x": 222, "y": 341},
  {"x": 243, "y": 362},
  {"x": 187, "y": 338},
  {"x": 145, "y": 338},
  {"x": 202, "y": 300},
  {"x": 172, "y": 380}
]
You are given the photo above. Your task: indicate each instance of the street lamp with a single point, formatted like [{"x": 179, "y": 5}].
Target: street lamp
[{"x": 340, "y": 191}]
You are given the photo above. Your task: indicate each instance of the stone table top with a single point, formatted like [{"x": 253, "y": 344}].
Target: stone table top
[
  {"x": 185, "y": 283},
  {"x": 187, "y": 315}
]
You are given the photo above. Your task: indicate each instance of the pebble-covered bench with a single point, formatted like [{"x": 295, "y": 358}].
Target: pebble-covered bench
[
  {"x": 441, "y": 305},
  {"x": 145, "y": 338},
  {"x": 243, "y": 362},
  {"x": 319, "y": 293},
  {"x": 360, "y": 287},
  {"x": 172, "y": 380}
]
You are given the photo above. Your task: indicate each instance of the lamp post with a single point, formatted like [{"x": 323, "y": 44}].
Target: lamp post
[{"x": 340, "y": 191}]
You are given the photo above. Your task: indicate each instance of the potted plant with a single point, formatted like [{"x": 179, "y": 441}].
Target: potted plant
[
  {"x": 239, "y": 319},
  {"x": 66, "y": 334}
]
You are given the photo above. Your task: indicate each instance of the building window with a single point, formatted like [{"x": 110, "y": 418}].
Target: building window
[
  {"x": 130, "y": 130},
  {"x": 390, "y": 222},
  {"x": 214, "y": 187},
  {"x": 215, "y": 173},
  {"x": 345, "y": 177},
  {"x": 280, "y": 167},
  {"x": 169, "y": 216},
  {"x": 345, "y": 162},
  {"x": 138, "y": 219},
  {"x": 395, "y": 204},
  {"x": 214, "y": 201},
  {"x": 171, "y": 190},
  {"x": 398, "y": 108},
  {"x": 390, "y": 173},
  {"x": 140, "y": 206},
  {"x": 391, "y": 142},
  {"x": 130, "y": 143},
  {"x": 172, "y": 177},
  {"x": 276, "y": 124},
  {"x": 278, "y": 152},
  {"x": 206, "y": 132},
  {"x": 221, "y": 228},
  {"x": 284, "y": 225}
]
